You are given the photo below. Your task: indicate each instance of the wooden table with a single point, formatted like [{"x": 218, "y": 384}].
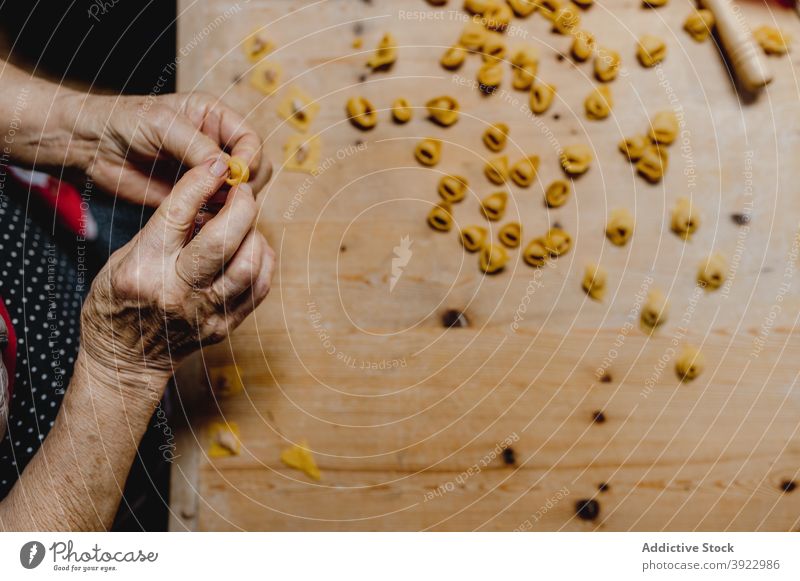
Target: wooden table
[{"x": 404, "y": 416}]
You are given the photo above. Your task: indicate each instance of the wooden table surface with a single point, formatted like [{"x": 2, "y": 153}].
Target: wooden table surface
[{"x": 405, "y": 416}]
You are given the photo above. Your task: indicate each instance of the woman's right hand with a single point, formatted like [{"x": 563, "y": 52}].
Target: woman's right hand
[{"x": 174, "y": 289}]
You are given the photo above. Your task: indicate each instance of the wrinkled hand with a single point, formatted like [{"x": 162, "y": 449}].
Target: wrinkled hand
[
  {"x": 136, "y": 146},
  {"x": 174, "y": 289}
]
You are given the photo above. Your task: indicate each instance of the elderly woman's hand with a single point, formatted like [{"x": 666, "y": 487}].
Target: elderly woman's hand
[
  {"x": 174, "y": 288},
  {"x": 135, "y": 146}
]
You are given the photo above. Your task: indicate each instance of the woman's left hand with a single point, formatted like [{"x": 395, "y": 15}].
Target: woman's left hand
[{"x": 138, "y": 146}]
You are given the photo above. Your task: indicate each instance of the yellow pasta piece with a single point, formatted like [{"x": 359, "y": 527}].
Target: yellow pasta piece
[
  {"x": 651, "y": 50},
  {"x": 494, "y": 48},
  {"x": 522, "y": 8},
  {"x": 584, "y": 3},
  {"x": 298, "y": 109},
  {"x": 598, "y": 104},
  {"x": 654, "y": 310},
  {"x": 490, "y": 75},
  {"x": 664, "y": 127},
  {"x": 402, "y": 111},
  {"x": 473, "y": 36},
  {"x": 238, "y": 171},
  {"x": 493, "y": 258},
  {"x": 772, "y": 40},
  {"x": 224, "y": 440},
  {"x": 542, "y": 95},
  {"x": 653, "y": 164},
  {"x": 385, "y": 55},
  {"x": 699, "y": 24},
  {"x": 496, "y": 170},
  {"x": 441, "y": 217},
  {"x": 549, "y": 8},
  {"x": 594, "y": 282},
  {"x": 557, "y": 242},
  {"x": 557, "y": 193},
  {"x": 495, "y": 136},
  {"x": 619, "y": 228},
  {"x": 576, "y": 159},
  {"x": 536, "y": 253},
  {"x": 361, "y": 113},
  {"x": 477, "y": 6},
  {"x": 299, "y": 457},
  {"x": 510, "y": 234},
  {"x": 690, "y": 363},
  {"x": 452, "y": 188},
  {"x": 266, "y": 77},
  {"x": 493, "y": 206},
  {"x": 453, "y": 58},
  {"x": 358, "y": 42},
  {"x": 685, "y": 219},
  {"x": 302, "y": 153},
  {"x": 524, "y": 66},
  {"x": 634, "y": 147},
  {"x": 257, "y": 47},
  {"x": 497, "y": 16},
  {"x": 226, "y": 380},
  {"x": 473, "y": 238},
  {"x": 524, "y": 171},
  {"x": 606, "y": 65},
  {"x": 566, "y": 19},
  {"x": 654, "y": 3},
  {"x": 428, "y": 151},
  {"x": 712, "y": 272},
  {"x": 582, "y": 45},
  {"x": 443, "y": 110},
  {"x": 525, "y": 54},
  {"x": 437, "y": 2}
]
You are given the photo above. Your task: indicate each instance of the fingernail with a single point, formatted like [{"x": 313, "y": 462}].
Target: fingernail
[{"x": 219, "y": 167}]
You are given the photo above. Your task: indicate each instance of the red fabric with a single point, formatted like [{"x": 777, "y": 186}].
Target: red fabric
[{"x": 10, "y": 352}]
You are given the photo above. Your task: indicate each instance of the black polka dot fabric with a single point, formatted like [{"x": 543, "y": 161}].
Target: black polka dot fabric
[{"x": 42, "y": 283}]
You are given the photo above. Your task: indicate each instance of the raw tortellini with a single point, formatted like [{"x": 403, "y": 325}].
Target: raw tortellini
[
  {"x": 495, "y": 136},
  {"x": 606, "y": 65},
  {"x": 619, "y": 227},
  {"x": 524, "y": 171},
  {"x": 582, "y": 45},
  {"x": 493, "y": 206},
  {"x": 685, "y": 220},
  {"x": 651, "y": 50},
  {"x": 238, "y": 170},
  {"x": 690, "y": 363},
  {"x": 443, "y": 110},
  {"x": 699, "y": 24},
  {"x": 541, "y": 97},
  {"x": 361, "y": 113},
  {"x": 654, "y": 310},
  {"x": 428, "y": 151},
  {"x": 496, "y": 170},
  {"x": 524, "y": 66},
  {"x": 385, "y": 55},
  {"x": 402, "y": 111},
  {"x": 772, "y": 40},
  {"x": 510, "y": 234},
  {"x": 557, "y": 193},
  {"x": 441, "y": 217},
  {"x": 575, "y": 159},
  {"x": 598, "y": 104},
  {"x": 493, "y": 258},
  {"x": 473, "y": 238},
  {"x": 594, "y": 281},
  {"x": 712, "y": 272},
  {"x": 452, "y": 188}
]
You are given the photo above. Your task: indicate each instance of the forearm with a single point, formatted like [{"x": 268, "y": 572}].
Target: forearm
[
  {"x": 76, "y": 479},
  {"x": 38, "y": 120}
]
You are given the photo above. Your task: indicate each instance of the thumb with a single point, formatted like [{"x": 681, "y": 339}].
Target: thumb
[{"x": 176, "y": 135}]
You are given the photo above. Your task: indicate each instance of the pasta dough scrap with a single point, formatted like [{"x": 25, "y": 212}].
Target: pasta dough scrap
[
  {"x": 452, "y": 188},
  {"x": 619, "y": 228},
  {"x": 690, "y": 363},
  {"x": 664, "y": 127},
  {"x": 583, "y": 44},
  {"x": 361, "y": 113},
  {"x": 772, "y": 40},
  {"x": 302, "y": 153},
  {"x": 653, "y": 164},
  {"x": 493, "y": 258},
  {"x": 256, "y": 47},
  {"x": 557, "y": 242},
  {"x": 226, "y": 380},
  {"x": 298, "y": 109},
  {"x": 566, "y": 19},
  {"x": 510, "y": 234},
  {"x": 490, "y": 75},
  {"x": 633, "y": 147},
  {"x": 575, "y": 159},
  {"x": 453, "y": 58},
  {"x": 443, "y": 110},
  {"x": 654, "y": 310},
  {"x": 557, "y": 193},
  {"x": 536, "y": 253},
  {"x": 685, "y": 219},
  {"x": 493, "y": 206},
  {"x": 385, "y": 55},
  {"x": 598, "y": 104},
  {"x": 224, "y": 440},
  {"x": 402, "y": 112},
  {"x": 473, "y": 238},
  {"x": 699, "y": 24},
  {"x": 594, "y": 282},
  {"x": 712, "y": 272},
  {"x": 495, "y": 137},
  {"x": 299, "y": 457},
  {"x": 524, "y": 171},
  {"x": 542, "y": 95},
  {"x": 441, "y": 217},
  {"x": 651, "y": 50},
  {"x": 238, "y": 171},
  {"x": 606, "y": 65},
  {"x": 428, "y": 151},
  {"x": 266, "y": 76},
  {"x": 496, "y": 170}
]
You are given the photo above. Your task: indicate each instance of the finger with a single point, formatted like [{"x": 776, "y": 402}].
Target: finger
[
  {"x": 218, "y": 239},
  {"x": 250, "y": 268},
  {"x": 174, "y": 221},
  {"x": 131, "y": 183},
  {"x": 175, "y": 134}
]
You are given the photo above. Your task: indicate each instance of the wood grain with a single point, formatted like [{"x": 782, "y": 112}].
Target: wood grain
[{"x": 404, "y": 415}]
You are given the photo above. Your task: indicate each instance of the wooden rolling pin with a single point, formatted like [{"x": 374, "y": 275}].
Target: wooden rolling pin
[{"x": 744, "y": 55}]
